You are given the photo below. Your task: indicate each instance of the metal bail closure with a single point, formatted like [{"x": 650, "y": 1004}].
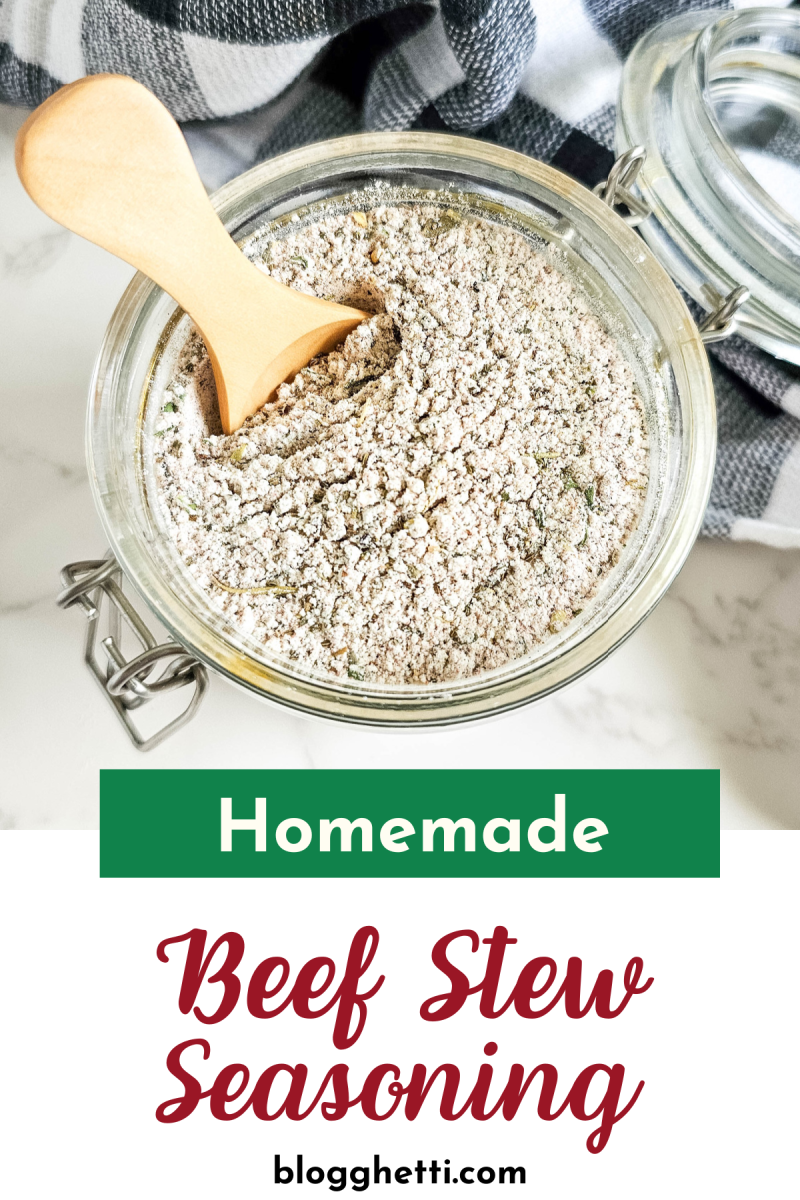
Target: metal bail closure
[
  {"x": 128, "y": 683},
  {"x": 615, "y": 191},
  {"x": 721, "y": 321}
]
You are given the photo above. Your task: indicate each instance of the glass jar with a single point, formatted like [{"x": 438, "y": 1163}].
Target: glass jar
[
  {"x": 715, "y": 102},
  {"x": 622, "y": 280}
]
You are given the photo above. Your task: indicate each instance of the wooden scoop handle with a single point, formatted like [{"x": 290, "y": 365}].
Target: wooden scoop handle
[{"x": 105, "y": 158}]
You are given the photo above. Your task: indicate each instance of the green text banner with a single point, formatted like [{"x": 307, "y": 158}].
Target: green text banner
[{"x": 409, "y": 824}]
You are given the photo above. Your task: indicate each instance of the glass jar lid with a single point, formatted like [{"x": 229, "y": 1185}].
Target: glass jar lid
[{"x": 715, "y": 102}]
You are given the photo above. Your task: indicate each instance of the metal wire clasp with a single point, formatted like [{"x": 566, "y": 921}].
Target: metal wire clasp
[
  {"x": 616, "y": 189},
  {"x": 721, "y": 321},
  {"x": 128, "y": 683}
]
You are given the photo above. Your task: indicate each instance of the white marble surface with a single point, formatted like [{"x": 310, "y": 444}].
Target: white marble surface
[{"x": 711, "y": 680}]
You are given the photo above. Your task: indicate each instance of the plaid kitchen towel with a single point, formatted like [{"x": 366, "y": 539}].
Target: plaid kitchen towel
[{"x": 252, "y": 78}]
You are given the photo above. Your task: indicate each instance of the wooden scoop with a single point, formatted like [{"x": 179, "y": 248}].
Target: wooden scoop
[{"x": 105, "y": 158}]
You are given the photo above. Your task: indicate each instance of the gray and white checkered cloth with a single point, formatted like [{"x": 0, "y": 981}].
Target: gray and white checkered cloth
[{"x": 252, "y": 78}]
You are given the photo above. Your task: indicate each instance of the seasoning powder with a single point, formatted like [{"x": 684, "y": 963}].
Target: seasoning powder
[{"x": 440, "y": 494}]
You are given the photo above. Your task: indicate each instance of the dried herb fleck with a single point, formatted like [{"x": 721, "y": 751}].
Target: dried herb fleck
[
  {"x": 557, "y": 618},
  {"x": 274, "y": 589},
  {"x": 435, "y": 226},
  {"x": 355, "y": 385}
]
